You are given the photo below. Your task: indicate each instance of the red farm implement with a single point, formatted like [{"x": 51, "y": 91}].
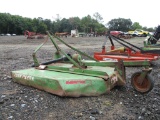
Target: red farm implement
[
  {"x": 128, "y": 52},
  {"x": 33, "y": 35}
]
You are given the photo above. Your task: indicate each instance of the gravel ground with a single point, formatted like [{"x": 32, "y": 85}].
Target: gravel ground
[{"x": 18, "y": 102}]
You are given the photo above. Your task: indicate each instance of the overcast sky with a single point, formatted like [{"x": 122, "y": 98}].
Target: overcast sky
[{"x": 146, "y": 12}]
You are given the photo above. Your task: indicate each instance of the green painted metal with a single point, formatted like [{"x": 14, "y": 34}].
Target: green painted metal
[
  {"x": 76, "y": 77},
  {"x": 147, "y": 43},
  {"x": 69, "y": 83},
  {"x": 82, "y": 53},
  {"x": 95, "y": 71},
  {"x": 36, "y": 63},
  {"x": 151, "y": 47},
  {"x": 72, "y": 79},
  {"x": 112, "y": 64}
]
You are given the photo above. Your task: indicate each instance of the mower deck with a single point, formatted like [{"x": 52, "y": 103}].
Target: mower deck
[
  {"x": 126, "y": 57},
  {"x": 68, "y": 83}
]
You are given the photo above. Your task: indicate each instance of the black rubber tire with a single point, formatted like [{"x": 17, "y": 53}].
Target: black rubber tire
[
  {"x": 146, "y": 86},
  {"x": 134, "y": 35},
  {"x": 144, "y": 35}
]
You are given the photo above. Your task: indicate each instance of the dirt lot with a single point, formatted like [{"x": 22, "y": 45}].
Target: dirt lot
[{"x": 20, "y": 102}]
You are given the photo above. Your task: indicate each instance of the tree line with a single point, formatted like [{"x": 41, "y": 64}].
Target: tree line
[
  {"x": 121, "y": 24},
  {"x": 15, "y": 24}
]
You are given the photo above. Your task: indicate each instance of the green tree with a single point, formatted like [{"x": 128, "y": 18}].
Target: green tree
[
  {"x": 48, "y": 23},
  {"x": 86, "y": 22},
  {"x": 136, "y": 25},
  {"x": 65, "y": 25},
  {"x": 98, "y": 27},
  {"x": 42, "y": 28},
  {"x": 17, "y": 24},
  {"x": 120, "y": 24},
  {"x": 98, "y": 17},
  {"x": 57, "y": 26},
  {"x": 150, "y": 29},
  {"x": 5, "y": 22},
  {"x": 29, "y": 24},
  {"x": 75, "y": 22}
]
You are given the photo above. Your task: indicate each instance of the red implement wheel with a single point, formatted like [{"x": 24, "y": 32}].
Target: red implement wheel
[{"x": 145, "y": 87}]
